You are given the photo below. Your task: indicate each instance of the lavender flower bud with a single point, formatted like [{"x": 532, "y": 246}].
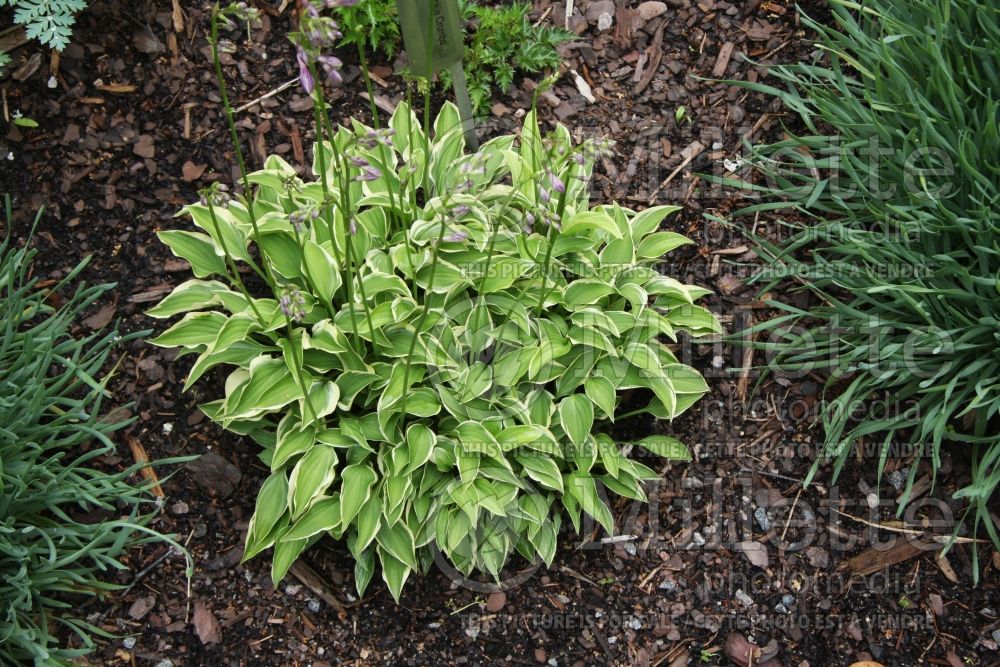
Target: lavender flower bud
[
  {"x": 368, "y": 174},
  {"x": 353, "y": 227},
  {"x": 305, "y": 76},
  {"x": 556, "y": 183},
  {"x": 543, "y": 195},
  {"x": 292, "y": 304},
  {"x": 460, "y": 210},
  {"x": 457, "y": 236},
  {"x": 331, "y": 67}
]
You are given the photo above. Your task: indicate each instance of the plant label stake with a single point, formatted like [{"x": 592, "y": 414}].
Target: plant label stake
[{"x": 432, "y": 34}]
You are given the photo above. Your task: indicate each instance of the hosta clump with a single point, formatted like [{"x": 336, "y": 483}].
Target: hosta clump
[{"x": 439, "y": 335}]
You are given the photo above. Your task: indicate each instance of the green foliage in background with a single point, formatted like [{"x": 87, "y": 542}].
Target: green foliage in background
[
  {"x": 64, "y": 521},
  {"x": 445, "y": 334},
  {"x": 899, "y": 163},
  {"x": 503, "y": 42},
  {"x": 48, "y": 21}
]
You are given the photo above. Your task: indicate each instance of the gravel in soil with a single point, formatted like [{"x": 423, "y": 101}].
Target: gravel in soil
[{"x": 731, "y": 549}]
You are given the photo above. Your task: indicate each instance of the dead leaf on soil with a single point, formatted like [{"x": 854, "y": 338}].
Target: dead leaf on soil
[
  {"x": 191, "y": 171},
  {"x": 206, "y": 626},
  {"x": 101, "y": 318}
]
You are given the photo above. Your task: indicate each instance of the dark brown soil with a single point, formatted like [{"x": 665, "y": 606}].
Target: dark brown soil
[{"x": 133, "y": 127}]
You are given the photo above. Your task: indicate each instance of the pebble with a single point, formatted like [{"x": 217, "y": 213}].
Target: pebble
[
  {"x": 180, "y": 507},
  {"x": 634, "y": 623},
  {"x": 668, "y": 585},
  {"x": 630, "y": 548},
  {"x": 604, "y": 22},
  {"x": 763, "y": 520},
  {"x": 314, "y": 605},
  {"x": 292, "y": 589},
  {"x": 788, "y": 599},
  {"x": 697, "y": 539},
  {"x": 129, "y": 643},
  {"x": 896, "y": 478},
  {"x": 496, "y": 601},
  {"x": 996, "y": 635},
  {"x": 165, "y": 663},
  {"x": 780, "y": 608},
  {"x": 651, "y": 9},
  {"x": 743, "y": 598}
]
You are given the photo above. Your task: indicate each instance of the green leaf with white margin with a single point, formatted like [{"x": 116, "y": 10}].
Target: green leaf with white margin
[
  {"x": 323, "y": 399},
  {"x": 356, "y": 486},
  {"x": 585, "y": 292},
  {"x": 501, "y": 274},
  {"x": 666, "y": 446},
  {"x": 576, "y": 415},
  {"x": 198, "y": 249},
  {"x": 321, "y": 268},
  {"x": 284, "y": 253},
  {"x": 269, "y": 387},
  {"x": 420, "y": 440},
  {"x": 659, "y": 244},
  {"x": 293, "y": 438},
  {"x": 324, "y": 515},
  {"x": 394, "y": 573},
  {"x": 285, "y": 554},
  {"x": 398, "y": 541},
  {"x": 601, "y": 391},
  {"x": 272, "y": 503},
  {"x": 649, "y": 220},
  {"x": 589, "y": 220},
  {"x": 310, "y": 477},
  {"x": 541, "y": 469},
  {"x": 197, "y": 294},
  {"x": 224, "y": 229},
  {"x": 582, "y": 488},
  {"x": 368, "y": 519},
  {"x": 194, "y": 331}
]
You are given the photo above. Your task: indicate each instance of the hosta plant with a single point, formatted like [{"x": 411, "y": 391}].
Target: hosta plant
[{"x": 424, "y": 341}]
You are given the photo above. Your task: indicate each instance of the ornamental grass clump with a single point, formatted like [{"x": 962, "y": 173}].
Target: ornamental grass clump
[
  {"x": 65, "y": 519},
  {"x": 431, "y": 339},
  {"x": 899, "y": 167}
]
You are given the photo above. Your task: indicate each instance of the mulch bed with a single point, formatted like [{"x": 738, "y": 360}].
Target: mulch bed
[{"x": 131, "y": 127}]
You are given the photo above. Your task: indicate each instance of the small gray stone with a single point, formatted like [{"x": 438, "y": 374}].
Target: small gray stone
[
  {"x": 314, "y": 605},
  {"x": 788, "y": 599},
  {"x": 129, "y": 643},
  {"x": 743, "y": 598},
  {"x": 780, "y": 608},
  {"x": 605, "y": 21},
  {"x": 897, "y": 479},
  {"x": 763, "y": 520}
]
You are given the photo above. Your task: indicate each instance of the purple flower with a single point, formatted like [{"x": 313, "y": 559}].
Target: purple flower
[
  {"x": 331, "y": 67},
  {"x": 368, "y": 174},
  {"x": 353, "y": 227},
  {"x": 358, "y": 162},
  {"x": 460, "y": 210},
  {"x": 291, "y": 304},
  {"x": 457, "y": 237},
  {"x": 543, "y": 195},
  {"x": 305, "y": 76},
  {"x": 556, "y": 184}
]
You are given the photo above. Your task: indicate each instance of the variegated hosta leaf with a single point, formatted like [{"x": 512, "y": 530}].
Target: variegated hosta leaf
[{"x": 428, "y": 374}]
